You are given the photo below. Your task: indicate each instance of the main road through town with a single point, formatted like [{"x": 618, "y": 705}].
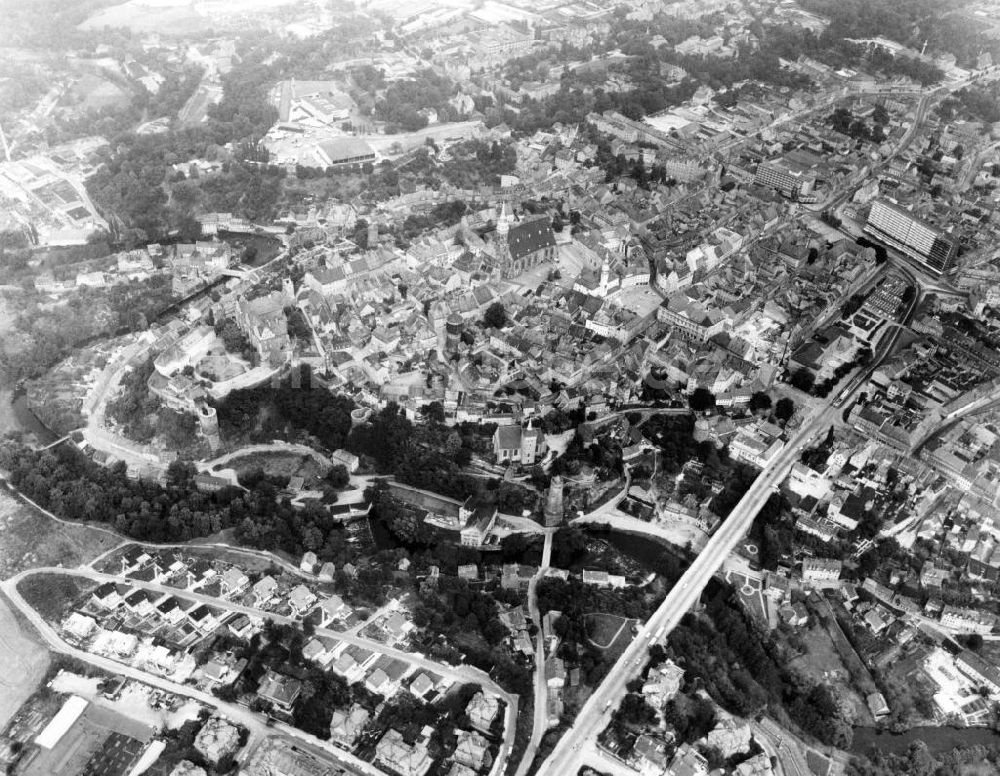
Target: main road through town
[{"x": 566, "y": 757}]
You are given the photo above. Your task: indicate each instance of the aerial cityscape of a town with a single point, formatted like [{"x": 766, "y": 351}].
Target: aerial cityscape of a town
[{"x": 500, "y": 387}]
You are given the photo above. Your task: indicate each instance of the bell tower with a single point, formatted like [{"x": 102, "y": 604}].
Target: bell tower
[{"x": 504, "y": 220}]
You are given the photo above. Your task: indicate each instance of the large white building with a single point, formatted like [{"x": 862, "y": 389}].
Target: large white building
[{"x": 902, "y": 230}]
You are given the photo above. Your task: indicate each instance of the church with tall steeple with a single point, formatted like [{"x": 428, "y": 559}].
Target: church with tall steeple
[{"x": 521, "y": 245}]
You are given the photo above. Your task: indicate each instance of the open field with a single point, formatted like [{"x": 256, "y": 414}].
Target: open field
[
  {"x": 620, "y": 642},
  {"x": 92, "y": 92},
  {"x": 30, "y": 539},
  {"x": 24, "y": 661},
  {"x": 602, "y": 629},
  {"x": 140, "y": 17},
  {"x": 818, "y": 764}
]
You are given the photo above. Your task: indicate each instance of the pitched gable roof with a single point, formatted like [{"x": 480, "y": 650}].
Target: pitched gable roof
[{"x": 528, "y": 237}]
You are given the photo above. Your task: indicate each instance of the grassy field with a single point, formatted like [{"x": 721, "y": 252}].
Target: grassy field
[
  {"x": 51, "y": 594},
  {"x": 142, "y": 18},
  {"x": 602, "y": 629},
  {"x": 92, "y": 92},
  {"x": 24, "y": 659},
  {"x": 30, "y": 539},
  {"x": 818, "y": 764}
]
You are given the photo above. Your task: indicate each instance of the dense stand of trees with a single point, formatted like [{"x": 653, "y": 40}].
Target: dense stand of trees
[
  {"x": 911, "y": 22},
  {"x": 478, "y": 163},
  {"x": 744, "y": 670},
  {"x": 443, "y": 214},
  {"x": 426, "y": 456},
  {"x": 974, "y": 102},
  {"x": 402, "y": 103},
  {"x": 132, "y": 185},
  {"x": 134, "y": 407},
  {"x": 64, "y": 481},
  {"x": 675, "y": 436},
  {"x": 920, "y": 761},
  {"x": 467, "y": 620},
  {"x": 267, "y": 411}
]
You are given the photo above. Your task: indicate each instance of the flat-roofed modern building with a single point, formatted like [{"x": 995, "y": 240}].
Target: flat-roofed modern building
[
  {"x": 902, "y": 230},
  {"x": 794, "y": 184},
  {"x": 344, "y": 150}
]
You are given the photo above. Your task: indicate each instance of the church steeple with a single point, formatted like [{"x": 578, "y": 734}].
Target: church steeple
[{"x": 504, "y": 220}]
